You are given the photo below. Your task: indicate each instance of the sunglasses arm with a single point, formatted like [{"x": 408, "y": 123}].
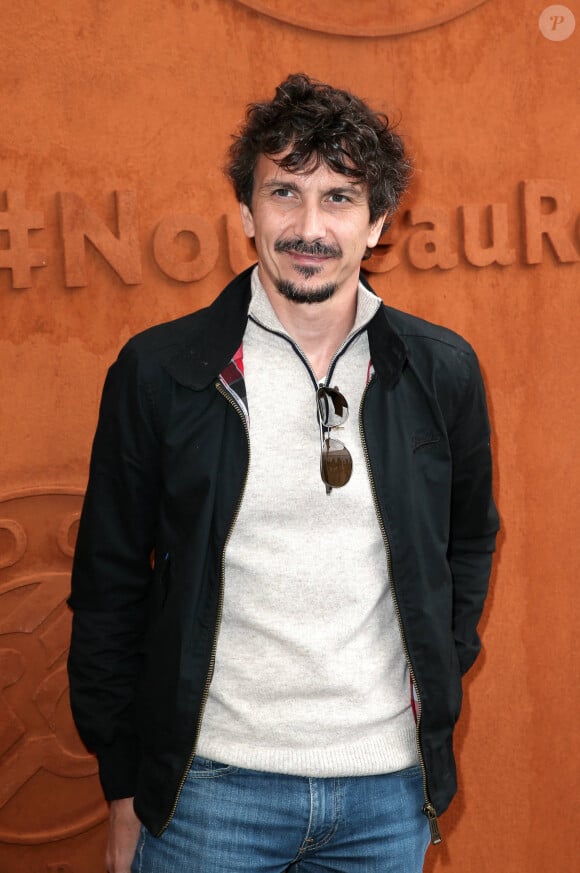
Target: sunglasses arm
[{"x": 328, "y": 487}]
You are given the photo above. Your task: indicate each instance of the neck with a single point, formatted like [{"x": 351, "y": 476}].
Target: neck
[{"x": 318, "y": 328}]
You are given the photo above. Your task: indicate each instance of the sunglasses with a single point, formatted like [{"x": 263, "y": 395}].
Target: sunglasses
[{"x": 335, "y": 458}]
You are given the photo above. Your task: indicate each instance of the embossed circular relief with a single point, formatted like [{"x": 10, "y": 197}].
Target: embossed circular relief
[
  {"x": 364, "y": 17},
  {"x": 48, "y": 784}
]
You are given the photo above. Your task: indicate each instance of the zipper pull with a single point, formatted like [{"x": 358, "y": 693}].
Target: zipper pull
[{"x": 429, "y": 811}]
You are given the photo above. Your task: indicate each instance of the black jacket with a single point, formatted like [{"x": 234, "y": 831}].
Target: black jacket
[{"x": 167, "y": 473}]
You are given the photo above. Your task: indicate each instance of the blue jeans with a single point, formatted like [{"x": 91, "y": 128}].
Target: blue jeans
[{"x": 230, "y": 820}]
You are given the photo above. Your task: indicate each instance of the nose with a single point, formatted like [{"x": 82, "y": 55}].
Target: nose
[{"x": 310, "y": 224}]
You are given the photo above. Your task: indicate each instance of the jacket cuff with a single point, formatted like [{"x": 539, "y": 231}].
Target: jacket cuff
[
  {"x": 118, "y": 765},
  {"x": 467, "y": 655}
]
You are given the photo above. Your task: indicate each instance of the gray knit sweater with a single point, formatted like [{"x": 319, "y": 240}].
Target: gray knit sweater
[{"x": 310, "y": 675}]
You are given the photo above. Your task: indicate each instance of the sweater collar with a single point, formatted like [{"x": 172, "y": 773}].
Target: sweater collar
[
  {"x": 263, "y": 312},
  {"x": 217, "y": 332}
]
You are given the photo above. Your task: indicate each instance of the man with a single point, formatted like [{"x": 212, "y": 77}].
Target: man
[{"x": 287, "y": 535}]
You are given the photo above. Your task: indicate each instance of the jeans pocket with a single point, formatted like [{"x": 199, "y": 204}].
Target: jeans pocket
[{"x": 414, "y": 772}]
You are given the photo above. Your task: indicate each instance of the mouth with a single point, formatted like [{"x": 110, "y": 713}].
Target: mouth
[{"x": 308, "y": 260}]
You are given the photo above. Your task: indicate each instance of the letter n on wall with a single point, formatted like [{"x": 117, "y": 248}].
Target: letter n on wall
[{"x": 79, "y": 223}]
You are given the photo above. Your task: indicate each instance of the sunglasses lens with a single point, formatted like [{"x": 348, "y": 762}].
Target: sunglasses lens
[
  {"x": 335, "y": 463},
  {"x": 332, "y": 407}
]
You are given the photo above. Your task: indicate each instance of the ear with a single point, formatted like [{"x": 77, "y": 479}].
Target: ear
[
  {"x": 247, "y": 220},
  {"x": 375, "y": 230}
]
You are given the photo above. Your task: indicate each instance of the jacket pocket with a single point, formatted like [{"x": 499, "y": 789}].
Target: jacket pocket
[
  {"x": 164, "y": 578},
  {"x": 158, "y": 591},
  {"x": 423, "y": 438}
]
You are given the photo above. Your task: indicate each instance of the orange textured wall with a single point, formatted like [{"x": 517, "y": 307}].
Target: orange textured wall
[{"x": 115, "y": 119}]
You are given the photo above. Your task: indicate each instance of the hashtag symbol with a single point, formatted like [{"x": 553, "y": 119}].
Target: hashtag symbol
[{"x": 17, "y": 256}]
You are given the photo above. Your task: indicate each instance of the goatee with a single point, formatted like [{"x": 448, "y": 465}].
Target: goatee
[{"x": 300, "y": 294}]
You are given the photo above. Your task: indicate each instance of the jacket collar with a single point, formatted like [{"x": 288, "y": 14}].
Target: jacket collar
[
  {"x": 217, "y": 332},
  {"x": 387, "y": 348},
  {"x": 214, "y": 338}
]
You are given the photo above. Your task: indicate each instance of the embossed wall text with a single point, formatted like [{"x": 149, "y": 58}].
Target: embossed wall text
[{"x": 424, "y": 237}]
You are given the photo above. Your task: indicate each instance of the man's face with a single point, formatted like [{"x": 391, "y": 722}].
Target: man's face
[{"x": 311, "y": 231}]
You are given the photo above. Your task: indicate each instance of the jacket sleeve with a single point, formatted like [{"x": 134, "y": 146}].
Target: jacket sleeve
[
  {"x": 112, "y": 574},
  {"x": 474, "y": 520}
]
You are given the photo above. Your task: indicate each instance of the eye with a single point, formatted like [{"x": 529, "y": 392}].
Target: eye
[
  {"x": 282, "y": 193},
  {"x": 337, "y": 197}
]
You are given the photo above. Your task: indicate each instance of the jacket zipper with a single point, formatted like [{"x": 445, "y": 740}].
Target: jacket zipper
[
  {"x": 428, "y": 809},
  {"x": 224, "y": 393}
]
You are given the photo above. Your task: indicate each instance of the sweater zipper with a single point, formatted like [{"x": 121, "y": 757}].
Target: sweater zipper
[
  {"x": 221, "y": 390},
  {"x": 428, "y": 809},
  {"x": 303, "y": 357}
]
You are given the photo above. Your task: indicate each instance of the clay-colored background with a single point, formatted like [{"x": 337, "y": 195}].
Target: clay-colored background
[{"x": 140, "y": 96}]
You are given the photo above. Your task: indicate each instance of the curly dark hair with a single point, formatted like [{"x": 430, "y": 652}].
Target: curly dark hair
[{"x": 314, "y": 123}]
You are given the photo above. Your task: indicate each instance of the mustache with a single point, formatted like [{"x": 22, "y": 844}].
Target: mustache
[{"x": 316, "y": 249}]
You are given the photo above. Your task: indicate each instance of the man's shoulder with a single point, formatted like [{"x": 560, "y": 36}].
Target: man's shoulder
[
  {"x": 442, "y": 360},
  {"x": 194, "y": 348},
  {"x": 161, "y": 338},
  {"x": 415, "y": 331},
  {"x": 428, "y": 341},
  {"x": 205, "y": 326}
]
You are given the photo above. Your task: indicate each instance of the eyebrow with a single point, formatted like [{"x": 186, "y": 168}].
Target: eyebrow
[{"x": 273, "y": 184}]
